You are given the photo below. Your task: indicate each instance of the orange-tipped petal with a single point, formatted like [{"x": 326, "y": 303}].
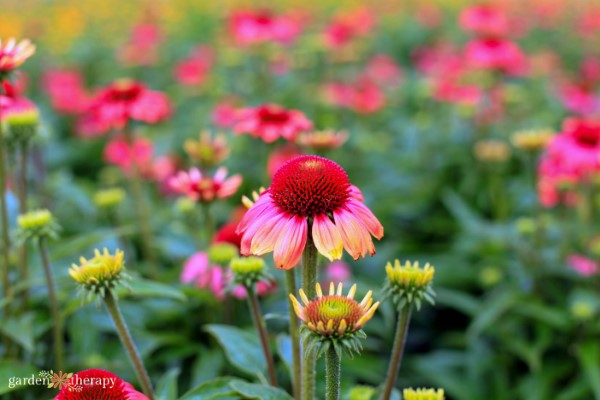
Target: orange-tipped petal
[{"x": 327, "y": 238}]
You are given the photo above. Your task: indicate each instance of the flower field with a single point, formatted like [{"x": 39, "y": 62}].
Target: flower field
[{"x": 297, "y": 200}]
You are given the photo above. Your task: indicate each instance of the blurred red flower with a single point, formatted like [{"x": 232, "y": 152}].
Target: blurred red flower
[{"x": 270, "y": 122}]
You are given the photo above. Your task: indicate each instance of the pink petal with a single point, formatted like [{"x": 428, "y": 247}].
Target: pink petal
[
  {"x": 366, "y": 217},
  {"x": 327, "y": 237},
  {"x": 290, "y": 244}
]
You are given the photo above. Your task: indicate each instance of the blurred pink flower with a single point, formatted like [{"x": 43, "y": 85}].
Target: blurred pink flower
[
  {"x": 484, "y": 20},
  {"x": 198, "y": 270},
  {"x": 582, "y": 265},
  {"x": 346, "y": 26},
  {"x": 383, "y": 70},
  {"x": 199, "y": 187},
  {"x": 225, "y": 113},
  {"x": 362, "y": 96},
  {"x": 66, "y": 91},
  {"x": 337, "y": 271},
  {"x": 270, "y": 122},
  {"x": 280, "y": 156},
  {"x": 142, "y": 47},
  {"x": 126, "y": 99},
  {"x": 123, "y": 154},
  {"x": 580, "y": 99},
  {"x": 12, "y": 102},
  {"x": 496, "y": 54},
  {"x": 194, "y": 69},
  {"x": 258, "y": 26},
  {"x": 263, "y": 289}
]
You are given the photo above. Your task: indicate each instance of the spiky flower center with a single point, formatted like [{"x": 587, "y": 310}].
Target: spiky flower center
[
  {"x": 334, "y": 308},
  {"x": 310, "y": 185}
]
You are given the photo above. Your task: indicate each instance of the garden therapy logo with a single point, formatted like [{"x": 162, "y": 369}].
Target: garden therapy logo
[{"x": 60, "y": 380}]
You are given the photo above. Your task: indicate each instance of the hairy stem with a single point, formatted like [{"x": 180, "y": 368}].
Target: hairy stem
[
  {"x": 399, "y": 342},
  {"x": 128, "y": 344},
  {"x": 57, "y": 327},
  {"x": 333, "y": 368},
  {"x": 261, "y": 327},
  {"x": 309, "y": 280},
  {"x": 290, "y": 280}
]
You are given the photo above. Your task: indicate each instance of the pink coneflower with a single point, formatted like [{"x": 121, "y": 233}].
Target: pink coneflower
[
  {"x": 326, "y": 139},
  {"x": 13, "y": 53},
  {"x": 582, "y": 265},
  {"x": 337, "y": 271},
  {"x": 120, "y": 152},
  {"x": 194, "y": 69},
  {"x": 12, "y": 101},
  {"x": 199, "y": 187},
  {"x": 126, "y": 99},
  {"x": 496, "y": 54},
  {"x": 263, "y": 288},
  {"x": 66, "y": 91},
  {"x": 87, "y": 385},
  {"x": 309, "y": 192},
  {"x": 270, "y": 122},
  {"x": 258, "y": 26},
  {"x": 484, "y": 20}
]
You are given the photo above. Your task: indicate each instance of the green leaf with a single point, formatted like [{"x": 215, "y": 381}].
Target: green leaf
[
  {"x": 242, "y": 348},
  {"x": 167, "y": 386},
  {"x": 217, "y": 388},
  {"x": 145, "y": 288},
  {"x": 14, "y": 369},
  {"x": 284, "y": 349},
  {"x": 20, "y": 330},
  {"x": 492, "y": 309},
  {"x": 458, "y": 300},
  {"x": 259, "y": 392},
  {"x": 208, "y": 365},
  {"x": 588, "y": 354}
]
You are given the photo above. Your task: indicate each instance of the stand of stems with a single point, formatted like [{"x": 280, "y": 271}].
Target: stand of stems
[{"x": 399, "y": 342}]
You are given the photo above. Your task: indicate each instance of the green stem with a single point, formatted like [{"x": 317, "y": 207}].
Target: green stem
[
  {"x": 309, "y": 280},
  {"x": 260, "y": 325},
  {"x": 290, "y": 280},
  {"x": 333, "y": 368},
  {"x": 6, "y": 288},
  {"x": 143, "y": 217},
  {"x": 23, "y": 260},
  {"x": 209, "y": 223},
  {"x": 128, "y": 344},
  {"x": 399, "y": 342},
  {"x": 57, "y": 327}
]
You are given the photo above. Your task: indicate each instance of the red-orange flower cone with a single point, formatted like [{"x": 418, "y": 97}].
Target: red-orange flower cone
[{"x": 309, "y": 192}]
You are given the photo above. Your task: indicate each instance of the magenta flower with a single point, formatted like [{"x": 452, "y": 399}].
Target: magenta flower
[
  {"x": 194, "y": 69},
  {"x": 251, "y": 27},
  {"x": 86, "y": 385},
  {"x": 484, "y": 20},
  {"x": 125, "y": 100},
  {"x": 309, "y": 192},
  {"x": 198, "y": 270},
  {"x": 199, "y": 187},
  {"x": 270, "y": 122},
  {"x": 582, "y": 265},
  {"x": 121, "y": 153},
  {"x": 495, "y": 54},
  {"x": 66, "y": 91}
]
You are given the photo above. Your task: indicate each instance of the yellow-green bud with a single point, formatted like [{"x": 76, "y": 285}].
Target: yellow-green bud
[
  {"x": 423, "y": 394},
  {"x": 36, "y": 224},
  {"x": 99, "y": 274},
  {"x": 222, "y": 253},
  {"x": 361, "y": 393},
  {"x": 109, "y": 198},
  {"x": 247, "y": 271},
  {"x": 185, "y": 205},
  {"x": 490, "y": 276},
  {"x": 409, "y": 283}
]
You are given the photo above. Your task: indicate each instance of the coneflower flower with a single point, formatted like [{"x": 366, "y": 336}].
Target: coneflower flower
[
  {"x": 100, "y": 274},
  {"x": 198, "y": 187},
  {"x": 127, "y": 99},
  {"x": 93, "y": 384},
  {"x": 109, "y": 198},
  {"x": 36, "y": 224},
  {"x": 270, "y": 122},
  {"x": 333, "y": 323},
  {"x": 409, "y": 283},
  {"x": 334, "y": 317},
  {"x": 209, "y": 150},
  {"x": 13, "y": 54},
  {"x": 423, "y": 394},
  {"x": 309, "y": 196}
]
